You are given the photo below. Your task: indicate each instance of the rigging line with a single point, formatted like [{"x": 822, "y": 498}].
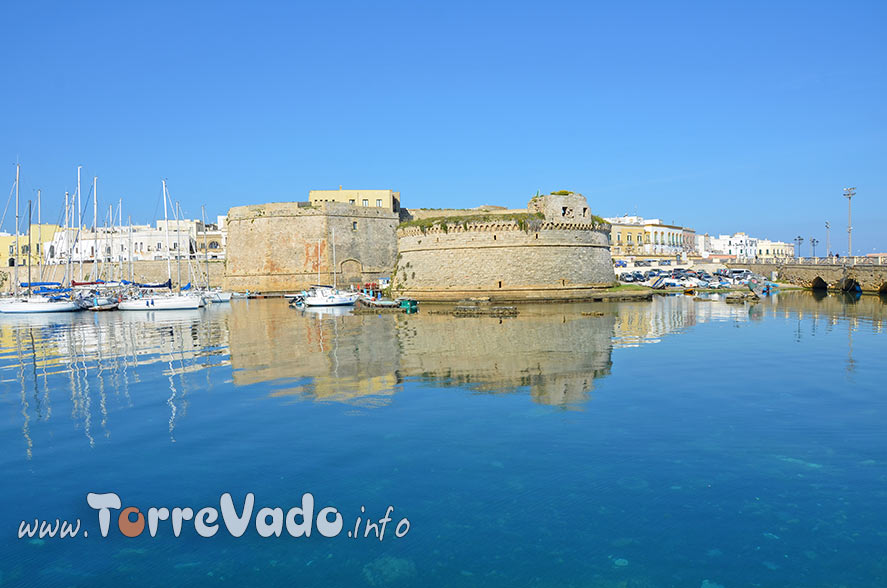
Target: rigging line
[{"x": 8, "y": 200}]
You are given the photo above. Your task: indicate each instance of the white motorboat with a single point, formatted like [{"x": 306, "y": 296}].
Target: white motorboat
[
  {"x": 37, "y": 304},
  {"x": 216, "y": 296},
  {"x": 162, "y": 302},
  {"x": 329, "y": 296}
]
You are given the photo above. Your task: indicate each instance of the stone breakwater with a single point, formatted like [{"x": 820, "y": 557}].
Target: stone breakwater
[{"x": 505, "y": 260}]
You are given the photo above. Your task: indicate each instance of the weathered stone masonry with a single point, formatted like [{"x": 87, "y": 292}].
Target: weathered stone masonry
[
  {"x": 281, "y": 246},
  {"x": 508, "y": 260}
]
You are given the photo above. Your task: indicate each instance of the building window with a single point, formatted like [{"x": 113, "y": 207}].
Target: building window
[
  {"x": 584, "y": 212},
  {"x": 213, "y": 244},
  {"x": 158, "y": 246},
  {"x": 366, "y": 202},
  {"x": 628, "y": 238},
  {"x": 353, "y": 225},
  {"x": 11, "y": 251},
  {"x": 378, "y": 203},
  {"x": 25, "y": 250},
  {"x": 351, "y": 201},
  {"x": 563, "y": 211}
]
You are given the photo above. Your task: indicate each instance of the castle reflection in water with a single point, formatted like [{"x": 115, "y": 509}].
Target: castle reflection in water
[{"x": 91, "y": 364}]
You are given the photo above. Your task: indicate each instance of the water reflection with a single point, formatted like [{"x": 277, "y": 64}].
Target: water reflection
[{"x": 90, "y": 363}]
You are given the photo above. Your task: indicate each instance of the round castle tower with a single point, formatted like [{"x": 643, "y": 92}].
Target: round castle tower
[{"x": 556, "y": 249}]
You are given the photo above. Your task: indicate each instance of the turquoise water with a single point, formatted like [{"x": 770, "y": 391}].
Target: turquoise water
[{"x": 672, "y": 443}]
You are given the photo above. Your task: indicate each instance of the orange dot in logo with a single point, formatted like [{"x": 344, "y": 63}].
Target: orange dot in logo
[{"x": 128, "y": 527}]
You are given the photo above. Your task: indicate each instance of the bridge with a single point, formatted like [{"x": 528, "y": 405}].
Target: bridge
[{"x": 868, "y": 274}]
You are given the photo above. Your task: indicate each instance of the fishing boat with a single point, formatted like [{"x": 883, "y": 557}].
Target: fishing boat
[{"x": 761, "y": 287}]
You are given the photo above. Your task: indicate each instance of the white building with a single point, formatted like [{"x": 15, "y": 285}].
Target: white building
[
  {"x": 139, "y": 242},
  {"x": 775, "y": 250},
  {"x": 658, "y": 238},
  {"x": 738, "y": 244}
]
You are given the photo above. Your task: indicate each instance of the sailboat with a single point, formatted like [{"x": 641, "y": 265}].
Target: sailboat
[
  {"x": 150, "y": 301},
  {"x": 30, "y": 303},
  {"x": 209, "y": 294},
  {"x": 320, "y": 295}
]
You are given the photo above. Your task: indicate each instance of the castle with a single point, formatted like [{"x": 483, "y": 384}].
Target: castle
[{"x": 554, "y": 249}]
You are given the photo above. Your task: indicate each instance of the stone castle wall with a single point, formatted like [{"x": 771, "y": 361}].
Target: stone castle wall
[
  {"x": 283, "y": 246},
  {"x": 504, "y": 260},
  {"x": 555, "y": 250}
]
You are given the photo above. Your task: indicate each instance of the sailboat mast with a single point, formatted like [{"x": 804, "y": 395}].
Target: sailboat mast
[
  {"x": 129, "y": 219},
  {"x": 205, "y": 246},
  {"x": 96, "y": 273},
  {"x": 111, "y": 242},
  {"x": 67, "y": 236},
  {"x": 166, "y": 224},
  {"x": 333, "y": 239},
  {"x": 178, "y": 246},
  {"x": 29, "y": 248},
  {"x": 79, "y": 224},
  {"x": 15, "y": 257},
  {"x": 39, "y": 237}
]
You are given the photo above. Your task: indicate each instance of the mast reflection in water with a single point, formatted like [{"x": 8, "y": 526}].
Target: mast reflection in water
[{"x": 639, "y": 444}]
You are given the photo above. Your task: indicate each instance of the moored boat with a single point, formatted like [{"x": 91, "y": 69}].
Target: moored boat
[{"x": 37, "y": 304}]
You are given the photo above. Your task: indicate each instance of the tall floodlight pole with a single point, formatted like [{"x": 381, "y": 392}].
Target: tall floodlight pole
[
  {"x": 798, "y": 240},
  {"x": 813, "y": 243},
  {"x": 828, "y": 239},
  {"x": 849, "y": 193}
]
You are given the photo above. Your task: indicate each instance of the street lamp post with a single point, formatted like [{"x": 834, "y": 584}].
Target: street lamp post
[
  {"x": 849, "y": 193},
  {"x": 828, "y": 240},
  {"x": 798, "y": 240},
  {"x": 813, "y": 243}
]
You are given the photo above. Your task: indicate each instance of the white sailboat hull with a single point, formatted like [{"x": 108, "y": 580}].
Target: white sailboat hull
[
  {"x": 337, "y": 299},
  {"x": 37, "y": 305},
  {"x": 161, "y": 303}
]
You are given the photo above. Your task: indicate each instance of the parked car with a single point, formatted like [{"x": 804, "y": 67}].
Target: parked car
[
  {"x": 620, "y": 263},
  {"x": 626, "y": 277},
  {"x": 665, "y": 262}
]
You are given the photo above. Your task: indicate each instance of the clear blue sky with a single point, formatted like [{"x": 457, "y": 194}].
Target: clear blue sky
[{"x": 743, "y": 116}]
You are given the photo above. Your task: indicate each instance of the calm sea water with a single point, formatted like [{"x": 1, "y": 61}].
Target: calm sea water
[{"x": 673, "y": 443}]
